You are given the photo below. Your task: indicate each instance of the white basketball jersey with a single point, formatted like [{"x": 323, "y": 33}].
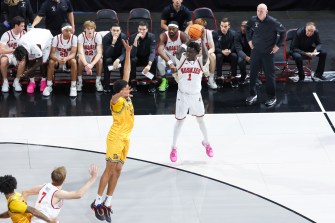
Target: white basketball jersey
[
  {"x": 172, "y": 46},
  {"x": 10, "y": 39},
  {"x": 189, "y": 75},
  {"x": 63, "y": 47},
  {"x": 90, "y": 44},
  {"x": 208, "y": 38},
  {"x": 44, "y": 203}
]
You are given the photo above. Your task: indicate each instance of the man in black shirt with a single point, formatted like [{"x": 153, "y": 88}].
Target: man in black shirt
[
  {"x": 176, "y": 12},
  {"x": 142, "y": 52},
  {"x": 264, "y": 34},
  {"x": 243, "y": 51},
  {"x": 113, "y": 53},
  {"x": 307, "y": 44},
  {"x": 56, "y": 12},
  {"x": 225, "y": 51}
]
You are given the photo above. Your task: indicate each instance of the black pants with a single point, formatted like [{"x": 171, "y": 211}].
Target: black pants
[
  {"x": 141, "y": 61},
  {"x": 299, "y": 62},
  {"x": 242, "y": 64},
  {"x": 231, "y": 59},
  {"x": 108, "y": 61},
  {"x": 262, "y": 60}
]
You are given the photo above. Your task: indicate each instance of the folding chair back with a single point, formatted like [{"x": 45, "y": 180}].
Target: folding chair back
[
  {"x": 104, "y": 19},
  {"x": 207, "y": 14}
]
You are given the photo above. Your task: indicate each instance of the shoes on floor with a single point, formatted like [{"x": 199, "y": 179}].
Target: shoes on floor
[{"x": 209, "y": 150}]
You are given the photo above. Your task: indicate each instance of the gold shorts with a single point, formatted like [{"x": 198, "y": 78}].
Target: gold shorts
[{"x": 117, "y": 149}]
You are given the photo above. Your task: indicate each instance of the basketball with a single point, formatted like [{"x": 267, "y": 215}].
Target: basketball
[{"x": 195, "y": 31}]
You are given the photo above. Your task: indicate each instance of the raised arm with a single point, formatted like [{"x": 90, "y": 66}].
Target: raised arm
[
  {"x": 31, "y": 191},
  {"x": 67, "y": 195},
  {"x": 126, "y": 69}
]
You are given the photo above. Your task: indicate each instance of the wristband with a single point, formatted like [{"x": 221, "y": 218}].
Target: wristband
[
  {"x": 169, "y": 62},
  {"x": 184, "y": 46}
]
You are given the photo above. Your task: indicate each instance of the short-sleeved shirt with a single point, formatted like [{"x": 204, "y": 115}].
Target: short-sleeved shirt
[
  {"x": 55, "y": 13},
  {"x": 123, "y": 118},
  {"x": 17, "y": 207},
  {"x": 10, "y": 39},
  {"x": 183, "y": 16},
  {"x": 90, "y": 44}
]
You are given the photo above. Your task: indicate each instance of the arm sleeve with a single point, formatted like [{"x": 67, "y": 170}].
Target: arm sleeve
[
  {"x": 30, "y": 13},
  {"x": 188, "y": 15},
  {"x": 80, "y": 39},
  {"x": 4, "y": 11},
  {"x": 165, "y": 13},
  {"x": 294, "y": 47},
  {"x": 248, "y": 29},
  {"x": 43, "y": 9},
  {"x": 106, "y": 45},
  {"x": 317, "y": 41},
  {"x": 133, "y": 51},
  {"x": 216, "y": 42},
  {"x": 281, "y": 32},
  {"x": 70, "y": 8},
  {"x": 152, "y": 47}
]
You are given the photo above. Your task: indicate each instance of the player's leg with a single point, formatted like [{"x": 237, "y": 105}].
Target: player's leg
[
  {"x": 197, "y": 109},
  {"x": 4, "y": 61},
  {"x": 98, "y": 68},
  {"x": 212, "y": 66},
  {"x": 72, "y": 64},
  {"x": 50, "y": 74},
  {"x": 80, "y": 75}
]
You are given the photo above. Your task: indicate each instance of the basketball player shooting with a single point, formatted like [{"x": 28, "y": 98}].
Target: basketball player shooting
[{"x": 190, "y": 67}]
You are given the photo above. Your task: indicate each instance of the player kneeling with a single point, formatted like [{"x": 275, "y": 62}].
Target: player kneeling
[
  {"x": 90, "y": 54},
  {"x": 63, "y": 57}
]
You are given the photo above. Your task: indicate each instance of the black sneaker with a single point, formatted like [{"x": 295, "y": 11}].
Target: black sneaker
[
  {"x": 98, "y": 211},
  {"x": 107, "y": 212},
  {"x": 251, "y": 99},
  {"x": 271, "y": 102},
  {"x": 107, "y": 89}
]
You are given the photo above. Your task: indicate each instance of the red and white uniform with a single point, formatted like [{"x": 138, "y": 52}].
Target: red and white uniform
[
  {"x": 11, "y": 41},
  {"x": 63, "y": 47},
  {"x": 38, "y": 43},
  {"x": 90, "y": 45},
  {"x": 208, "y": 38},
  {"x": 189, "y": 98},
  {"x": 44, "y": 203}
]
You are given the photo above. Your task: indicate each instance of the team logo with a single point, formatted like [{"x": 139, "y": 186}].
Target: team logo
[
  {"x": 53, "y": 8},
  {"x": 23, "y": 5},
  {"x": 256, "y": 24}
]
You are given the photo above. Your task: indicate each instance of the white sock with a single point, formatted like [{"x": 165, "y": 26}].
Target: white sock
[
  {"x": 98, "y": 79},
  {"x": 16, "y": 80},
  {"x": 32, "y": 80},
  {"x": 98, "y": 200},
  {"x": 203, "y": 128},
  {"x": 211, "y": 75},
  {"x": 5, "y": 80},
  {"x": 108, "y": 201},
  {"x": 80, "y": 78},
  {"x": 73, "y": 83},
  {"x": 43, "y": 79},
  {"x": 49, "y": 83},
  {"x": 176, "y": 131}
]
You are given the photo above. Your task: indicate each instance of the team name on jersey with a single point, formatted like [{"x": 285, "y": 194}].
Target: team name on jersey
[
  {"x": 193, "y": 70},
  {"x": 12, "y": 45},
  {"x": 89, "y": 47},
  {"x": 172, "y": 48}
]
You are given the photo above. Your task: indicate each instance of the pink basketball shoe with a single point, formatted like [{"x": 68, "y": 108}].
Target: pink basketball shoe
[
  {"x": 209, "y": 150},
  {"x": 31, "y": 87},
  {"x": 173, "y": 154},
  {"x": 43, "y": 85}
]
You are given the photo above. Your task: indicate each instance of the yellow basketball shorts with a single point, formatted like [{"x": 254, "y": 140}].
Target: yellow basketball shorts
[{"x": 117, "y": 149}]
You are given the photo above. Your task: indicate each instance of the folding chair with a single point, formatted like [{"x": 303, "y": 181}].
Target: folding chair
[
  {"x": 135, "y": 16},
  {"x": 104, "y": 18},
  {"x": 290, "y": 63},
  {"x": 207, "y": 14}
]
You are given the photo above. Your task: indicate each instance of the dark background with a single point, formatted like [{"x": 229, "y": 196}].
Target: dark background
[{"x": 215, "y": 5}]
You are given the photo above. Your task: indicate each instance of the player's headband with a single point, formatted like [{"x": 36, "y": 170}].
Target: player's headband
[
  {"x": 66, "y": 27},
  {"x": 173, "y": 25}
]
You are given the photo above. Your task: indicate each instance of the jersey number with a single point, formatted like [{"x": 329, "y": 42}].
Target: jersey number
[
  {"x": 63, "y": 54},
  {"x": 189, "y": 77},
  {"x": 89, "y": 53},
  {"x": 43, "y": 195}
]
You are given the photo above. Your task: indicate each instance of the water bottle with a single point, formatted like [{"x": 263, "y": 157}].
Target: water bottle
[
  {"x": 29, "y": 27},
  {"x": 168, "y": 72}
]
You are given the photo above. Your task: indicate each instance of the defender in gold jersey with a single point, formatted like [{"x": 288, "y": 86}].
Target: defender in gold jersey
[
  {"x": 18, "y": 209},
  {"x": 117, "y": 140}
]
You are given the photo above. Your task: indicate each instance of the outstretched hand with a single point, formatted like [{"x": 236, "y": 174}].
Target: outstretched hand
[
  {"x": 93, "y": 170},
  {"x": 126, "y": 45}
]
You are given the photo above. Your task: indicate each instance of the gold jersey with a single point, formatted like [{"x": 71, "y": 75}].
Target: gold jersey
[
  {"x": 123, "y": 118},
  {"x": 17, "y": 207}
]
